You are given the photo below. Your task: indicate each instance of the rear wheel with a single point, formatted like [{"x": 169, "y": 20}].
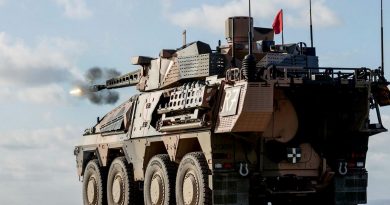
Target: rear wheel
[
  {"x": 94, "y": 184},
  {"x": 159, "y": 184},
  {"x": 192, "y": 180},
  {"x": 120, "y": 183}
]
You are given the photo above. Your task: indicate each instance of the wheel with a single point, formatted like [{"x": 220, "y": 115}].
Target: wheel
[
  {"x": 192, "y": 180},
  {"x": 94, "y": 184},
  {"x": 120, "y": 183},
  {"x": 159, "y": 184}
]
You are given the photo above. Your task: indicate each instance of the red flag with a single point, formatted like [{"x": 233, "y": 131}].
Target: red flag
[{"x": 278, "y": 22}]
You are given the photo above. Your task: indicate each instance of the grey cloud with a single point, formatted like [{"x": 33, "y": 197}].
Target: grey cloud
[
  {"x": 96, "y": 76},
  {"x": 94, "y": 73},
  {"x": 110, "y": 73},
  {"x": 100, "y": 75},
  {"x": 103, "y": 97}
]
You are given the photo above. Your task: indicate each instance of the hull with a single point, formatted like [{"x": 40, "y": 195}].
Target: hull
[{"x": 303, "y": 142}]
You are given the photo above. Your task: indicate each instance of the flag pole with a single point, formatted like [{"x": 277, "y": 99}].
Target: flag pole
[{"x": 282, "y": 28}]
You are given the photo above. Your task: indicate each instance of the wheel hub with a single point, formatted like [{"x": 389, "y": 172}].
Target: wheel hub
[
  {"x": 157, "y": 189},
  {"x": 117, "y": 189},
  {"x": 92, "y": 190},
  {"x": 190, "y": 189}
]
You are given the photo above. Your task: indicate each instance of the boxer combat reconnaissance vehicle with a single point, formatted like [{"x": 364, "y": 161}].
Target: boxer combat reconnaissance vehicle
[{"x": 251, "y": 122}]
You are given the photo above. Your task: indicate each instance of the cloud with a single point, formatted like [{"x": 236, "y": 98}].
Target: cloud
[
  {"x": 2, "y": 2},
  {"x": 51, "y": 60},
  {"x": 378, "y": 165},
  {"x": 212, "y": 16},
  {"x": 323, "y": 16},
  {"x": 18, "y": 164},
  {"x": 39, "y": 161},
  {"x": 45, "y": 94},
  {"x": 379, "y": 202},
  {"x": 75, "y": 9},
  {"x": 54, "y": 137},
  {"x": 34, "y": 73}
]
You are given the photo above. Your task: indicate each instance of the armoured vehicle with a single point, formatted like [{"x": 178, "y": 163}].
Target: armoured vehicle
[{"x": 252, "y": 122}]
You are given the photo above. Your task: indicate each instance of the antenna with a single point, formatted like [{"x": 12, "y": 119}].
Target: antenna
[
  {"x": 250, "y": 30},
  {"x": 311, "y": 27},
  {"x": 382, "y": 44},
  {"x": 233, "y": 44},
  {"x": 184, "y": 34},
  {"x": 249, "y": 62}
]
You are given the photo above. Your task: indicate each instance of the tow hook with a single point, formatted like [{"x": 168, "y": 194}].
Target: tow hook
[
  {"x": 343, "y": 168},
  {"x": 244, "y": 171}
]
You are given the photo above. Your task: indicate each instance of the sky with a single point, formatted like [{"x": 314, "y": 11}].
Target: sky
[{"x": 47, "y": 45}]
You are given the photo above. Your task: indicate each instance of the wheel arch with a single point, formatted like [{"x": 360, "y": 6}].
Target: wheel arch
[
  {"x": 83, "y": 156},
  {"x": 187, "y": 145},
  {"x": 153, "y": 149}
]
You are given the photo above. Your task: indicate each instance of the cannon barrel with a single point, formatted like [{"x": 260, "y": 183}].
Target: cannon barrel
[
  {"x": 126, "y": 80},
  {"x": 97, "y": 88}
]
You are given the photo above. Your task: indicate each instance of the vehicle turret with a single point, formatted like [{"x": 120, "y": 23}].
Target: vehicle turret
[{"x": 196, "y": 60}]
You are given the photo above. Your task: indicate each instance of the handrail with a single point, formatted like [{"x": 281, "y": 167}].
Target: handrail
[{"x": 328, "y": 73}]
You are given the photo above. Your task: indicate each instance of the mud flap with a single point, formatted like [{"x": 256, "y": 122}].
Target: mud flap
[
  {"x": 230, "y": 188},
  {"x": 351, "y": 189}
]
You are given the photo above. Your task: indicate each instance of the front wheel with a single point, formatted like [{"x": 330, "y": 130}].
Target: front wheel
[
  {"x": 94, "y": 184},
  {"x": 120, "y": 183},
  {"x": 192, "y": 180}
]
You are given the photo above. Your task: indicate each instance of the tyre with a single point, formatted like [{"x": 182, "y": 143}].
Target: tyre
[
  {"x": 192, "y": 180},
  {"x": 121, "y": 189},
  {"x": 94, "y": 184},
  {"x": 159, "y": 184}
]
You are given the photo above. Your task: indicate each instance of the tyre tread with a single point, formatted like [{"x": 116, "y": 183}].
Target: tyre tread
[
  {"x": 200, "y": 163},
  {"x": 170, "y": 168},
  {"x": 201, "y": 160},
  {"x": 101, "y": 173},
  {"x": 133, "y": 196}
]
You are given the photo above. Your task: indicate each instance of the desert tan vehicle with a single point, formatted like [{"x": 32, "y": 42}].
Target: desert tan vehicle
[{"x": 251, "y": 122}]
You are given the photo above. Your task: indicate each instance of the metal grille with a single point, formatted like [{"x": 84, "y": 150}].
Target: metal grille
[
  {"x": 201, "y": 65},
  {"x": 190, "y": 95},
  {"x": 194, "y": 66},
  {"x": 281, "y": 59},
  {"x": 275, "y": 59},
  {"x": 172, "y": 76},
  {"x": 259, "y": 103}
]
